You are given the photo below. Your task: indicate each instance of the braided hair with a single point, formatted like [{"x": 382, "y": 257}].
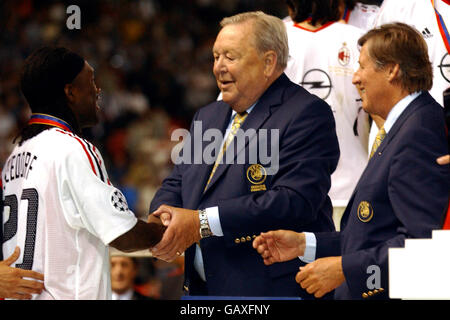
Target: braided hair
[{"x": 44, "y": 75}]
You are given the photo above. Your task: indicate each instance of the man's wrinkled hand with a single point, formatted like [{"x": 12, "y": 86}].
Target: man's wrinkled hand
[
  {"x": 279, "y": 245},
  {"x": 183, "y": 230},
  {"x": 321, "y": 276},
  {"x": 12, "y": 282}
]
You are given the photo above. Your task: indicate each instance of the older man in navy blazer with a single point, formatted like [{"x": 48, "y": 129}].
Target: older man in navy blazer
[
  {"x": 403, "y": 192},
  {"x": 223, "y": 207}
]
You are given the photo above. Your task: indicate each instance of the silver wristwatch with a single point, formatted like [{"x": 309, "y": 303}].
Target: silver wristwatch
[{"x": 205, "y": 230}]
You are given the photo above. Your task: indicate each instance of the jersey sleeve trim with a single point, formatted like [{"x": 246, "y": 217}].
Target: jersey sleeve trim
[{"x": 84, "y": 148}]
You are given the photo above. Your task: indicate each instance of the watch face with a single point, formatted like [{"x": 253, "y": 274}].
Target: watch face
[{"x": 205, "y": 232}]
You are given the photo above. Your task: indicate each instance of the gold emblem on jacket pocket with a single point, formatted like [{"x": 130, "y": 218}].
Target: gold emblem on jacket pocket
[
  {"x": 365, "y": 211},
  {"x": 256, "y": 174}
]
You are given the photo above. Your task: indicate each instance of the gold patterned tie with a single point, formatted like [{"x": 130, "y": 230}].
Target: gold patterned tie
[
  {"x": 237, "y": 122},
  {"x": 378, "y": 139}
]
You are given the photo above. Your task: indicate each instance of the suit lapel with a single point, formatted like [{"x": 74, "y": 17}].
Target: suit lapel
[
  {"x": 260, "y": 113},
  {"x": 411, "y": 109},
  {"x": 218, "y": 120}
]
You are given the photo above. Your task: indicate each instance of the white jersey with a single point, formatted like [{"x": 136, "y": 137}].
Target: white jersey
[
  {"x": 62, "y": 211},
  {"x": 363, "y": 16},
  {"x": 323, "y": 62},
  {"x": 421, "y": 15}
]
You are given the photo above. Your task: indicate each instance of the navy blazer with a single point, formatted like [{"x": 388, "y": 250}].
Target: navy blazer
[
  {"x": 402, "y": 193},
  {"x": 294, "y": 198}
]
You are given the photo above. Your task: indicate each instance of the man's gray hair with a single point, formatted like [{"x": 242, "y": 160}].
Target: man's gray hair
[{"x": 269, "y": 31}]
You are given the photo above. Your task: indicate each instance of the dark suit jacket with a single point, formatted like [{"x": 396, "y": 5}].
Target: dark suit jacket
[
  {"x": 295, "y": 197},
  {"x": 407, "y": 192}
]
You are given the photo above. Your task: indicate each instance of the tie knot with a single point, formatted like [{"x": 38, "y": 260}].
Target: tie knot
[{"x": 240, "y": 117}]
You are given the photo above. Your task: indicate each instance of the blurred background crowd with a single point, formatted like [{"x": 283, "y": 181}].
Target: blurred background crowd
[{"x": 153, "y": 62}]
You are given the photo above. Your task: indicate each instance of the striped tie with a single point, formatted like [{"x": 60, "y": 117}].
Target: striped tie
[
  {"x": 378, "y": 139},
  {"x": 237, "y": 122}
]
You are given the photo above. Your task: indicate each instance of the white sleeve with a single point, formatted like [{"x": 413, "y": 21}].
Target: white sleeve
[
  {"x": 310, "y": 248},
  {"x": 214, "y": 221},
  {"x": 90, "y": 203}
]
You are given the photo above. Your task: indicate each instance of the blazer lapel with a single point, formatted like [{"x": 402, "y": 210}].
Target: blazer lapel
[
  {"x": 219, "y": 121},
  {"x": 260, "y": 113},
  {"x": 412, "y": 107}
]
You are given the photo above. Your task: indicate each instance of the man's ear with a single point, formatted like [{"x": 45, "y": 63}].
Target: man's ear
[
  {"x": 270, "y": 63},
  {"x": 394, "y": 72},
  {"x": 68, "y": 90}
]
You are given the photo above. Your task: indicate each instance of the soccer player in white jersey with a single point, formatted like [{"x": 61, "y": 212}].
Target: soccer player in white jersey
[
  {"x": 432, "y": 19},
  {"x": 361, "y": 14},
  {"x": 323, "y": 56},
  {"x": 59, "y": 205}
]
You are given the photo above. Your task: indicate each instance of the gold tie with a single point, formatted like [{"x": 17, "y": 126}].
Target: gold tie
[
  {"x": 378, "y": 139},
  {"x": 237, "y": 122}
]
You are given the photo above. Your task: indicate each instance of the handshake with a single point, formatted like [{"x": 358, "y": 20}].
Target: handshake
[
  {"x": 176, "y": 229},
  {"x": 180, "y": 228}
]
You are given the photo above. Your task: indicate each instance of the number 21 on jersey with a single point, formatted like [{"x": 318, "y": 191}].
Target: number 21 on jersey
[{"x": 11, "y": 204}]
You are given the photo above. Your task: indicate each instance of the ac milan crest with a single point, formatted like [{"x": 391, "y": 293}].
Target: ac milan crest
[{"x": 344, "y": 55}]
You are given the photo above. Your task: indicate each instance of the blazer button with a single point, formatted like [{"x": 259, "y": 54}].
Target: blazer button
[
  {"x": 254, "y": 236},
  {"x": 364, "y": 295},
  {"x": 237, "y": 241},
  {"x": 249, "y": 238},
  {"x": 381, "y": 290},
  {"x": 375, "y": 291},
  {"x": 370, "y": 293},
  {"x": 242, "y": 239}
]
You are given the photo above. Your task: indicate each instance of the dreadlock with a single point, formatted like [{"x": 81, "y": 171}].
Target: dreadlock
[{"x": 44, "y": 75}]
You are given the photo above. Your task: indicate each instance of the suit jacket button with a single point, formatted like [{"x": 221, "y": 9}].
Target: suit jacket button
[
  {"x": 249, "y": 238},
  {"x": 364, "y": 295},
  {"x": 242, "y": 239},
  {"x": 381, "y": 290},
  {"x": 370, "y": 293},
  {"x": 375, "y": 291},
  {"x": 237, "y": 241}
]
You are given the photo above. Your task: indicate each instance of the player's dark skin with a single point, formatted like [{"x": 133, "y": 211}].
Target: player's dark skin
[
  {"x": 142, "y": 236},
  {"x": 82, "y": 95}
]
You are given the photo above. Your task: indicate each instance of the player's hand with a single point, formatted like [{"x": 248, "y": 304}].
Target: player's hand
[
  {"x": 163, "y": 218},
  {"x": 183, "y": 230},
  {"x": 321, "y": 276},
  {"x": 279, "y": 246},
  {"x": 12, "y": 282}
]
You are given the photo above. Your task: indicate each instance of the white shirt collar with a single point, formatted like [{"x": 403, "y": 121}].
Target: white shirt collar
[
  {"x": 233, "y": 113},
  {"x": 398, "y": 109},
  {"x": 128, "y": 295}
]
